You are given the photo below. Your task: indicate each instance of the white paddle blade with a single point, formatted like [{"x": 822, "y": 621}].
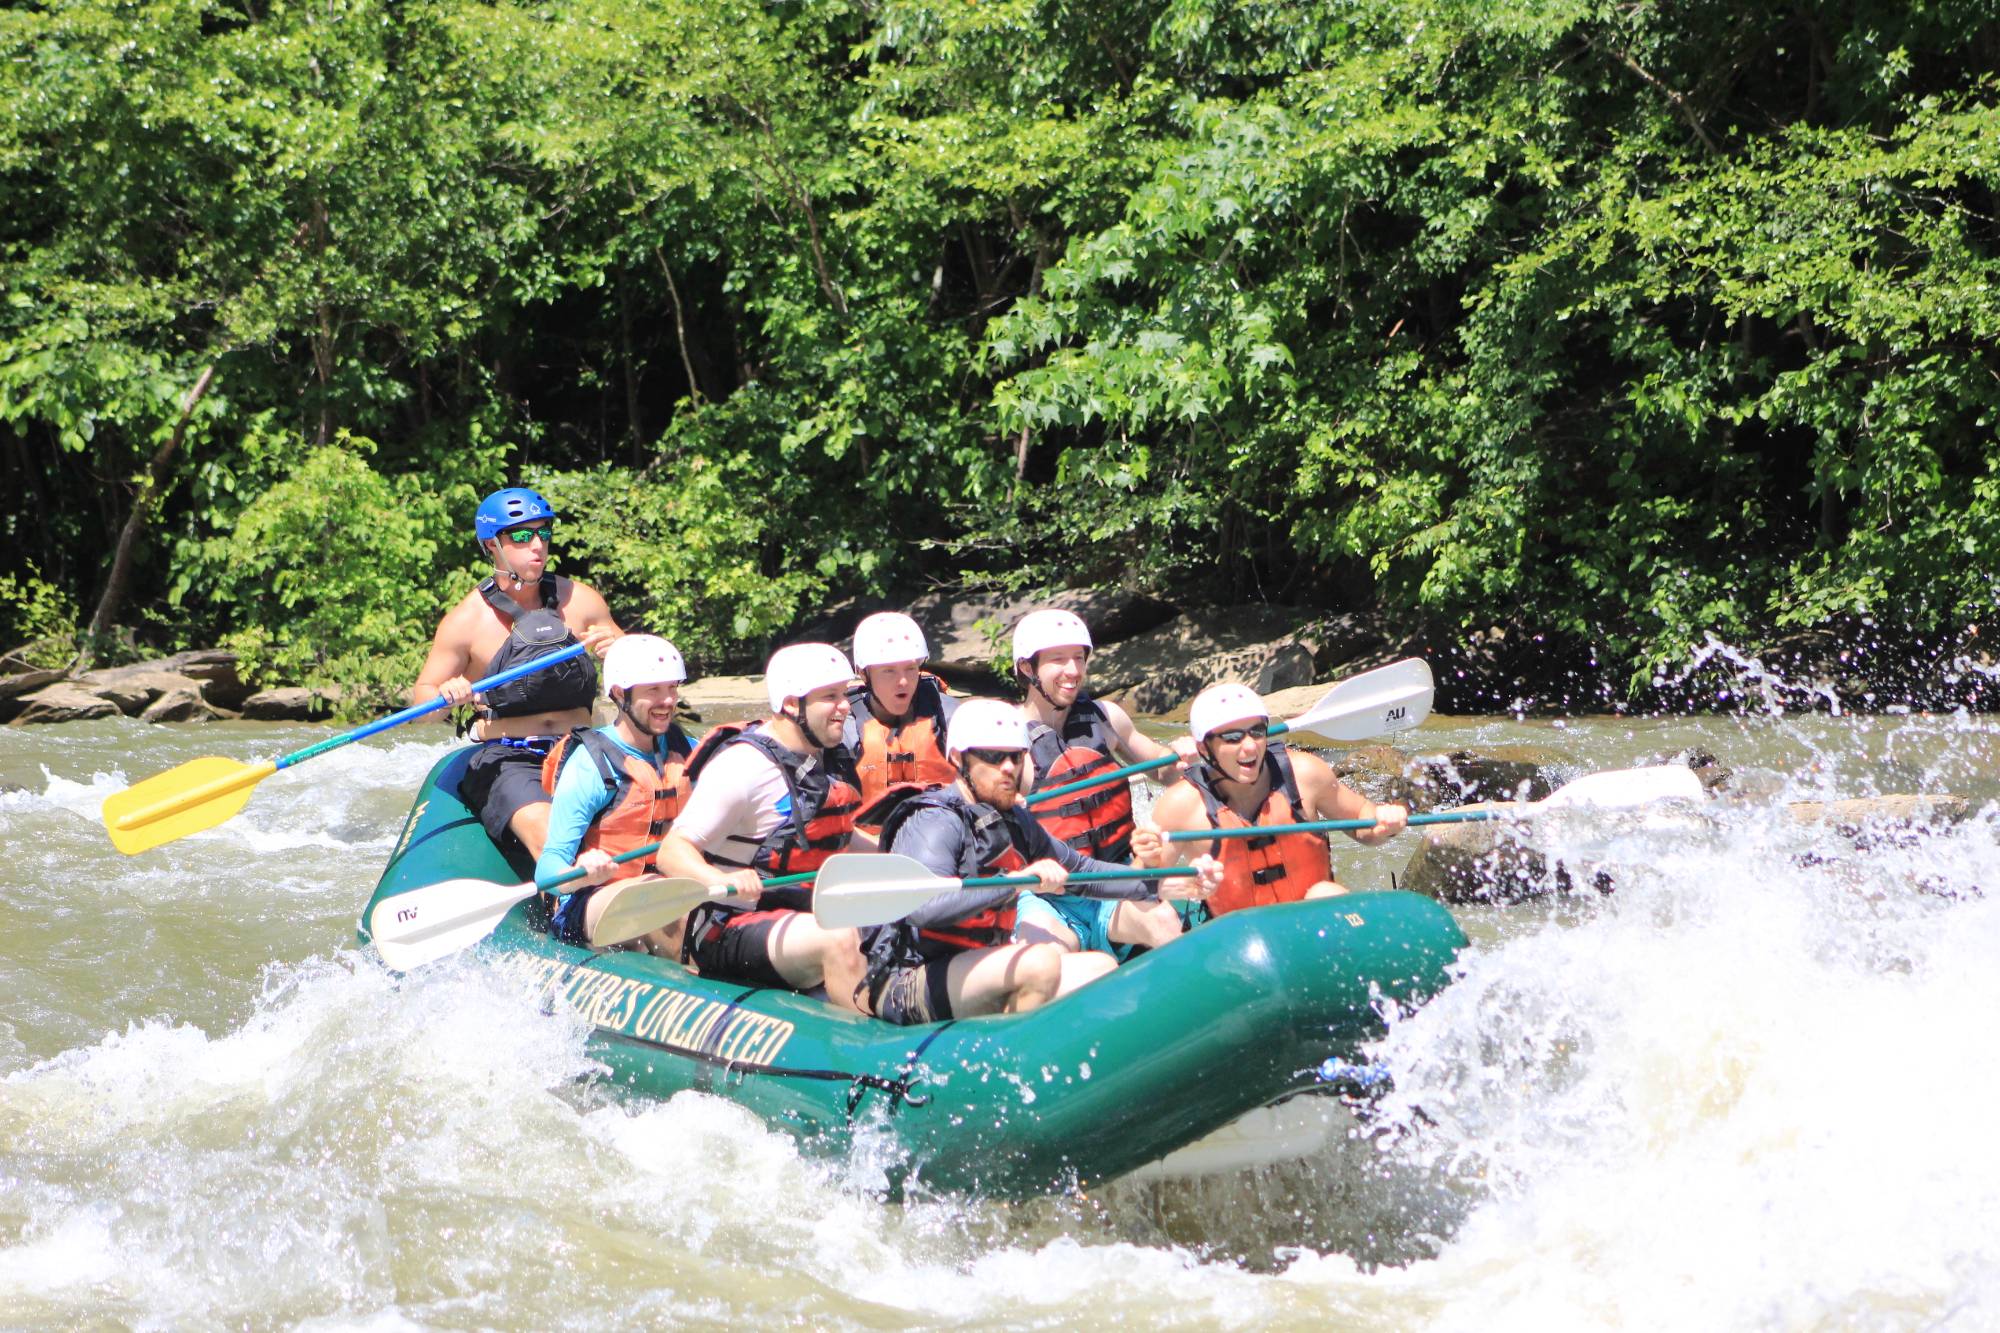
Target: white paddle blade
[
  {"x": 1625, "y": 787},
  {"x": 1375, "y": 703},
  {"x": 642, "y": 906},
  {"x": 873, "y": 889},
  {"x": 438, "y": 920}
]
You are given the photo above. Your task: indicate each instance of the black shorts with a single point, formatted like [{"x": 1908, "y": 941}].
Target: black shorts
[
  {"x": 500, "y": 778},
  {"x": 912, "y": 995},
  {"x": 566, "y": 923},
  {"x": 734, "y": 946}
]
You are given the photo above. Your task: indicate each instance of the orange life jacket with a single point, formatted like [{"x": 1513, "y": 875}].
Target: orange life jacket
[
  {"x": 988, "y": 849},
  {"x": 1257, "y": 871},
  {"x": 912, "y": 751},
  {"x": 645, "y": 799},
  {"x": 1096, "y": 823},
  {"x": 823, "y": 798}
]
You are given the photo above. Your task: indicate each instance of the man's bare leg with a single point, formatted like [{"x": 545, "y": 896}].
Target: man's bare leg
[
  {"x": 807, "y": 954},
  {"x": 1010, "y": 977},
  {"x": 1080, "y": 969},
  {"x": 1149, "y": 923},
  {"x": 531, "y": 825}
]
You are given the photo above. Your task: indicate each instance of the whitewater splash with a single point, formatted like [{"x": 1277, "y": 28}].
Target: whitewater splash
[{"x": 1744, "y": 1089}]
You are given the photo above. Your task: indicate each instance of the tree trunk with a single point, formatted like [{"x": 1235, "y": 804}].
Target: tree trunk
[{"x": 150, "y": 489}]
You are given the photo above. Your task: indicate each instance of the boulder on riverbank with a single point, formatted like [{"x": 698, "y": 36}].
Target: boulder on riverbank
[
  {"x": 16, "y": 685},
  {"x": 292, "y": 704},
  {"x": 1272, "y": 649},
  {"x": 134, "y": 689},
  {"x": 181, "y": 705},
  {"x": 726, "y": 698},
  {"x": 970, "y": 634},
  {"x": 62, "y": 702}
]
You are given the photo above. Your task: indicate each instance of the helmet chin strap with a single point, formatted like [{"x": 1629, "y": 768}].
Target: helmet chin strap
[
  {"x": 500, "y": 569},
  {"x": 1035, "y": 684},
  {"x": 625, "y": 708},
  {"x": 799, "y": 720}
]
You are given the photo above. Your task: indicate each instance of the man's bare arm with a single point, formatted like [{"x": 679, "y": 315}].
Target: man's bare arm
[{"x": 444, "y": 669}]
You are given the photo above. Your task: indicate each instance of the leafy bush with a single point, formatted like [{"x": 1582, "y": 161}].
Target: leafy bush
[
  {"x": 38, "y": 620},
  {"x": 339, "y": 575}
]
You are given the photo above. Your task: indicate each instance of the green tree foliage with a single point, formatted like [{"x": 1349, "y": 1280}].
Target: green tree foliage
[
  {"x": 348, "y": 564},
  {"x": 1629, "y": 322}
]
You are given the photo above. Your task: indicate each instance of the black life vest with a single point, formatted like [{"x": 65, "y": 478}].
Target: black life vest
[
  {"x": 1095, "y": 823},
  {"x": 1257, "y": 871},
  {"x": 533, "y": 634},
  {"x": 824, "y": 801}
]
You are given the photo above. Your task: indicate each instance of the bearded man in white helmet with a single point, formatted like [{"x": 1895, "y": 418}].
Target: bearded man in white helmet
[
  {"x": 1073, "y": 737},
  {"x": 956, "y": 956},
  {"x": 1246, "y": 779},
  {"x": 773, "y": 799},
  {"x": 617, "y": 788},
  {"x": 895, "y": 731}
]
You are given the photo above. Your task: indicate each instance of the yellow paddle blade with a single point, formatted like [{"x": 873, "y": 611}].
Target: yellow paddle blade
[{"x": 199, "y": 794}]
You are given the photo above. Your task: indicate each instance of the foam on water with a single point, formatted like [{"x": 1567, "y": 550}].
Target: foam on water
[{"x": 1747, "y": 1088}]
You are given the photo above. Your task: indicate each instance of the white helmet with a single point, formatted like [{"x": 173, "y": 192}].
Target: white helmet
[
  {"x": 985, "y": 724},
  {"x": 1220, "y": 704},
  {"x": 798, "y": 669},
  {"x": 888, "y": 636},
  {"x": 1042, "y": 630},
  {"x": 642, "y": 659}
]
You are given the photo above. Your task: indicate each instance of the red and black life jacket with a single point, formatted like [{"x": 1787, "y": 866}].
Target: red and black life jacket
[
  {"x": 1096, "y": 823},
  {"x": 988, "y": 849},
  {"x": 824, "y": 799},
  {"x": 644, "y": 799},
  {"x": 568, "y": 684},
  {"x": 1257, "y": 871},
  {"x": 912, "y": 751}
]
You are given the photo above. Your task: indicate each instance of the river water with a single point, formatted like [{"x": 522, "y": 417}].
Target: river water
[{"x": 1751, "y": 1087}]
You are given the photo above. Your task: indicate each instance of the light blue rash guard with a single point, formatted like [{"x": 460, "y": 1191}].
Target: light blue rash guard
[{"x": 580, "y": 797}]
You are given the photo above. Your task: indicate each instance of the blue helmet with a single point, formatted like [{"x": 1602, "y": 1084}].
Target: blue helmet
[{"x": 509, "y": 509}]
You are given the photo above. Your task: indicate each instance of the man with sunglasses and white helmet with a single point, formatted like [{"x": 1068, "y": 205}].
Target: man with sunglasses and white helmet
[
  {"x": 1245, "y": 779},
  {"x": 956, "y": 956},
  {"x": 895, "y": 731},
  {"x": 1073, "y": 737},
  {"x": 522, "y": 612},
  {"x": 613, "y": 789},
  {"x": 775, "y": 798}
]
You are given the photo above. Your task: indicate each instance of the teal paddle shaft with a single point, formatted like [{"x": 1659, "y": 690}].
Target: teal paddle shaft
[
  {"x": 547, "y": 883},
  {"x": 1331, "y": 825},
  {"x": 1080, "y": 877}
]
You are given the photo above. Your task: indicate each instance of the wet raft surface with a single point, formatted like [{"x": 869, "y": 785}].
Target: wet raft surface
[{"x": 1242, "y": 1012}]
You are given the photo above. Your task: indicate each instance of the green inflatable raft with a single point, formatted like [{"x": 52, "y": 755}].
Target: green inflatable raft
[{"x": 1211, "y": 1054}]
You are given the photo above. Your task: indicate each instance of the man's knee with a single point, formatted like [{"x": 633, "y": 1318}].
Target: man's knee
[
  {"x": 1080, "y": 969},
  {"x": 838, "y": 948},
  {"x": 1151, "y": 924},
  {"x": 1039, "y": 970}
]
